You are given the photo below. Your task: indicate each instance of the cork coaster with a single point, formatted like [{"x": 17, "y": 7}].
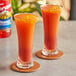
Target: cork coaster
[
  {"x": 32, "y": 69},
  {"x": 40, "y": 55}
]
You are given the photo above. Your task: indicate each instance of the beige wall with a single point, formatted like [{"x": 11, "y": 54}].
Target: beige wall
[{"x": 66, "y": 9}]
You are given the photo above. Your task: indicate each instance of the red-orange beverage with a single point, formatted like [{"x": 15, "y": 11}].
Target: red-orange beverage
[
  {"x": 51, "y": 16},
  {"x": 25, "y": 24}
]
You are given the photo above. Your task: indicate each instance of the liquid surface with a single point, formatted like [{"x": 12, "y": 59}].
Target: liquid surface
[
  {"x": 51, "y": 8},
  {"x": 26, "y": 17}
]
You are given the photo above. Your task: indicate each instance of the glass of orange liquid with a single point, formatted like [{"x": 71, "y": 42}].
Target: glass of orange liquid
[
  {"x": 25, "y": 24},
  {"x": 51, "y": 16}
]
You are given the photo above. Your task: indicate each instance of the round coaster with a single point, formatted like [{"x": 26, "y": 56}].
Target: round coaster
[
  {"x": 40, "y": 55},
  {"x": 32, "y": 69}
]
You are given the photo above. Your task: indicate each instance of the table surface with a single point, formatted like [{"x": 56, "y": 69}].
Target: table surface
[{"x": 66, "y": 66}]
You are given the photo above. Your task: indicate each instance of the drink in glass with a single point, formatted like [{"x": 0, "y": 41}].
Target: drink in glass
[
  {"x": 25, "y": 24},
  {"x": 51, "y": 17}
]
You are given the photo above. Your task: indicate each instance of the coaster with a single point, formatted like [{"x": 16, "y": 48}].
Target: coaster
[
  {"x": 40, "y": 55},
  {"x": 32, "y": 69}
]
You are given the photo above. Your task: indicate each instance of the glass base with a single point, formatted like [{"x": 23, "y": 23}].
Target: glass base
[
  {"x": 35, "y": 67},
  {"x": 49, "y": 52},
  {"x": 24, "y": 65}
]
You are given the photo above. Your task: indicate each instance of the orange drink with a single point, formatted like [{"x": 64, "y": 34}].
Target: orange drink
[
  {"x": 51, "y": 17},
  {"x": 25, "y": 24}
]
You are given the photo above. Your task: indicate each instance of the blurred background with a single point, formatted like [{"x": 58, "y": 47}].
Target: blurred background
[{"x": 33, "y": 6}]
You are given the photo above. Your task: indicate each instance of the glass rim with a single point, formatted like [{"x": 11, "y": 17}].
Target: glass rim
[{"x": 24, "y": 13}]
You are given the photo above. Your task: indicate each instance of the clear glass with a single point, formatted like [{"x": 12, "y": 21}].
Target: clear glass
[
  {"x": 51, "y": 16},
  {"x": 25, "y": 24}
]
